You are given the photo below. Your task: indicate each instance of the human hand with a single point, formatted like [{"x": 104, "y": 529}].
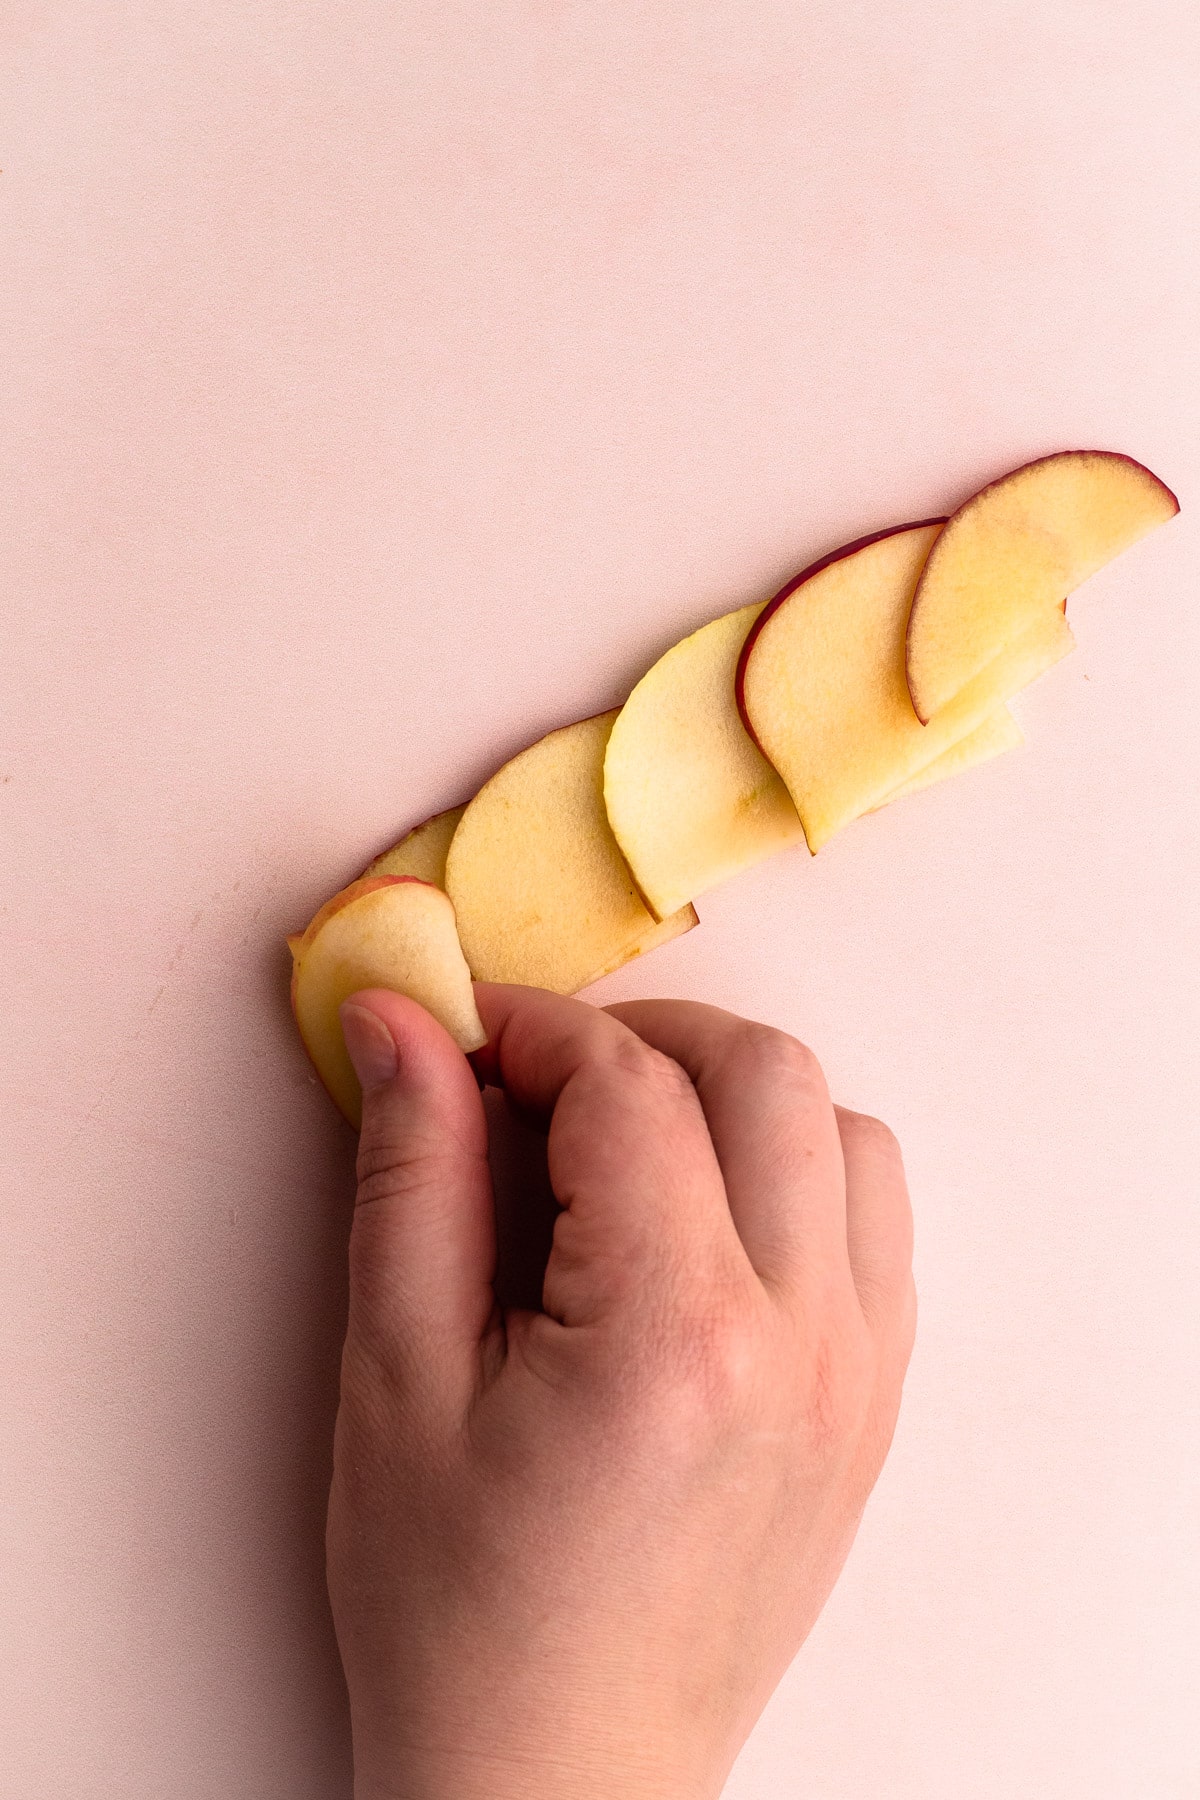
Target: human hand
[{"x": 572, "y": 1552}]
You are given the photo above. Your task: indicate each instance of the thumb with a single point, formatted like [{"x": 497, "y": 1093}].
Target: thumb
[{"x": 422, "y": 1246}]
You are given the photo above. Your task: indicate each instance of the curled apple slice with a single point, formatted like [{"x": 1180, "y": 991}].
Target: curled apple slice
[
  {"x": 541, "y": 891},
  {"x": 1011, "y": 555},
  {"x": 690, "y": 797},
  {"x": 821, "y": 681},
  {"x": 387, "y": 931},
  {"x": 421, "y": 851}
]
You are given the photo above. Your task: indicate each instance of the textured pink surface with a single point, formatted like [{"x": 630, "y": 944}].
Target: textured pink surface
[{"x": 383, "y": 384}]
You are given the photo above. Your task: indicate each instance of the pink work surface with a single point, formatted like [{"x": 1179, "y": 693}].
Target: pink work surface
[{"x": 382, "y": 385}]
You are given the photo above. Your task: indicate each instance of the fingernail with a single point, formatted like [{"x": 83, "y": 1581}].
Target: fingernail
[{"x": 370, "y": 1045}]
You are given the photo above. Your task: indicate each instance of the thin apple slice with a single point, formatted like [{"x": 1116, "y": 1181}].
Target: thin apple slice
[
  {"x": 998, "y": 733},
  {"x": 1013, "y": 553},
  {"x": 541, "y": 891},
  {"x": 821, "y": 681},
  {"x": 660, "y": 932},
  {"x": 389, "y": 931},
  {"x": 421, "y": 851},
  {"x": 690, "y": 797}
]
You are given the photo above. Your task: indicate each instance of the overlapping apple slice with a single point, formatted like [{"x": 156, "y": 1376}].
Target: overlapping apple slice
[
  {"x": 421, "y": 851},
  {"x": 1007, "y": 560},
  {"x": 877, "y": 671},
  {"x": 821, "y": 681},
  {"x": 389, "y": 931},
  {"x": 998, "y": 733},
  {"x": 540, "y": 889},
  {"x": 690, "y": 797}
]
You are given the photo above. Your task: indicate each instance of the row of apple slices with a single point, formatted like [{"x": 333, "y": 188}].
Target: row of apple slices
[{"x": 882, "y": 668}]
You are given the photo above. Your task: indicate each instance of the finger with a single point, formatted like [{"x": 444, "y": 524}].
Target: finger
[
  {"x": 879, "y": 1226},
  {"x": 773, "y": 1128},
  {"x": 630, "y": 1157},
  {"x": 422, "y": 1251}
]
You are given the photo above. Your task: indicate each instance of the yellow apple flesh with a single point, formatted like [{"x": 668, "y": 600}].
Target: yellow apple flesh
[
  {"x": 540, "y": 889},
  {"x": 421, "y": 851},
  {"x": 388, "y": 931},
  {"x": 998, "y": 733},
  {"x": 821, "y": 681},
  {"x": 1011, "y": 555},
  {"x": 690, "y": 797}
]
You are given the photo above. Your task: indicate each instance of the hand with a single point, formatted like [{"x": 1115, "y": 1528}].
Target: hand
[{"x": 571, "y": 1552}]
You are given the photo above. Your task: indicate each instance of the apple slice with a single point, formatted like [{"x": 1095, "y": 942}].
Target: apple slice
[
  {"x": 658, "y": 933},
  {"x": 690, "y": 797},
  {"x": 541, "y": 891},
  {"x": 821, "y": 680},
  {"x": 998, "y": 733},
  {"x": 387, "y": 931},
  {"x": 421, "y": 851},
  {"x": 1013, "y": 553}
]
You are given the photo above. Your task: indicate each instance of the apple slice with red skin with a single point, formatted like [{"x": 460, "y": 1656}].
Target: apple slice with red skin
[
  {"x": 821, "y": 680},
  {"x": 541, "y": 891},
  {"x": 691, "y": 799},
  {"x": 389, "y": 931},
  {"x": 421, "y": 851},
  {"x": 1012, "y": 554}
]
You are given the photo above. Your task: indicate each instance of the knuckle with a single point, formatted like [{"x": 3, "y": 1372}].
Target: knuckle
[
  {"x": 782, "y": 1054},
  {"x": 389, "y": 1168},
  {"x": 719, "y": 1359},
  {"x": 871, "y": 1137},
  {"x": 650, "y": 1067},
  {"x": 701, "y": 1376}
]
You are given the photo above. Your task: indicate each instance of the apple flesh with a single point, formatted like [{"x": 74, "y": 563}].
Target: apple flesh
[
  {"x": 876, "y": 672},
  {"x": 656, "y": 934},
  {"x": 821, "y": 681},
  {"x": 421, "y": 851},
  {"x": 690, "y": 797},
  {"x": 389, "y": 931},
  {"x": 1011, "y": 555},
  {"x": 998, "y": 733},
  {"x": 540, "y": 889}
]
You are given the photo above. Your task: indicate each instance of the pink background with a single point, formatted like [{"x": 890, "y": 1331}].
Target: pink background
[{"x": 383, "y": 384}]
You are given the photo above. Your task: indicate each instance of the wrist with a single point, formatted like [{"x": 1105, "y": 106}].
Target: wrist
[{"x": 549, "y": 1772}]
